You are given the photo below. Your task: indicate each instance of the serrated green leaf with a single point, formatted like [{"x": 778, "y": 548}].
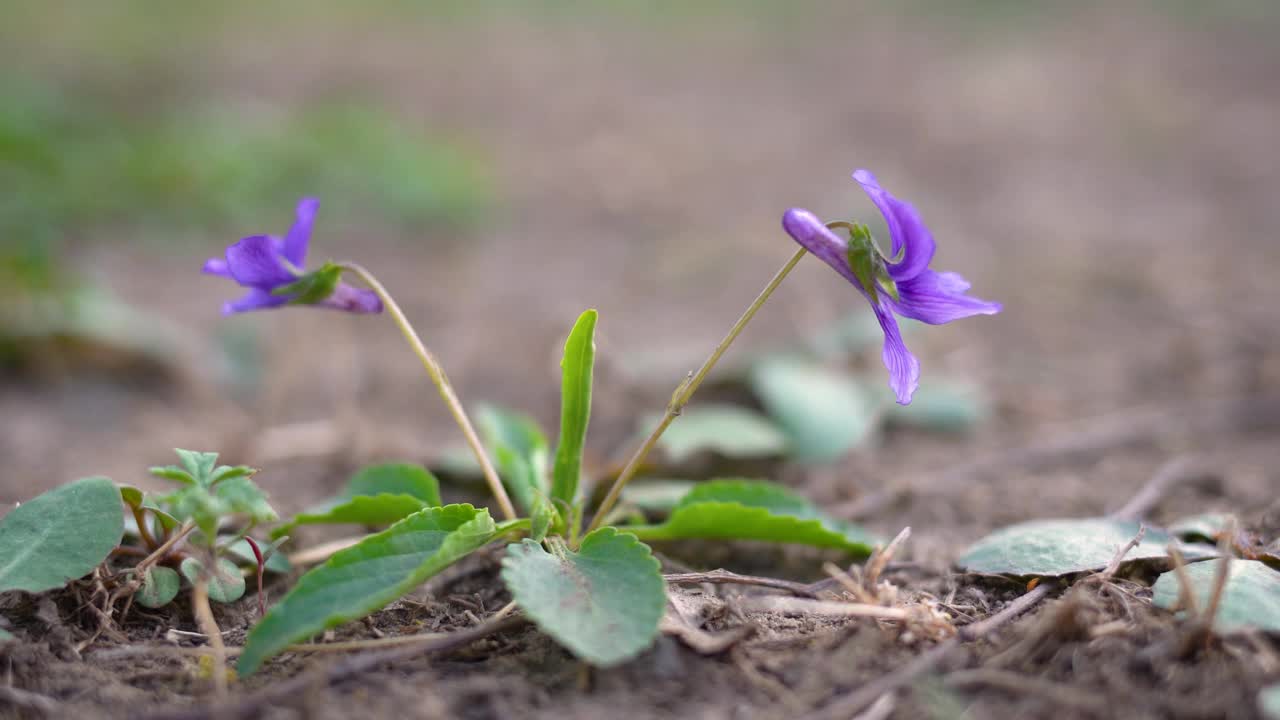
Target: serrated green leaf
[
  {"x": 1053, "y": 548},
  {"x": 242, "y": 496},
  {"x": 756, "y": 510},
  {"x": 226, "y": 583},
  {"x": 1269, "y": 701},
  {"x": 1250, "y": 600},
  {"x": 160, "y": 586},
  {"x": 577, "y": 368},
  {"x": 60, "y": 536},
  {"x": 198, "y": 465},
  {"x": 382, "y": 509},
  {"x": 394, "y": 479},
  {"x": 227, "y": 472},
  {"x": 823, "y": 413},
  {"x": 727, "y": 430},
  {"x": 602, "y": 602},
  {"x": 276, "y": 562},
  {"x": 940, "y": 406},
  {"x": 368, "y": 575},
  {"x": 519, "y": 451}
]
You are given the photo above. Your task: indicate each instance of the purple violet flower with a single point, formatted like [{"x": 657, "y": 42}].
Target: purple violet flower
[
  {"x": 901, "y": 283},
  {"x": 265, "y": 264}
]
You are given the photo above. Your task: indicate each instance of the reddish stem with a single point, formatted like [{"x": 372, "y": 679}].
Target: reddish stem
[
  {"x": 140, "y": 516},
  {"x": 262, "y": 564}
]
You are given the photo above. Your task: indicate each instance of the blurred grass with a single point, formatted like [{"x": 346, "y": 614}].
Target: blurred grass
[{"x": 71, "y": 163}]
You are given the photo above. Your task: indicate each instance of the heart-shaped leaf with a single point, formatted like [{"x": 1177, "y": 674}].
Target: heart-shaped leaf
[
  {"x": 602, "y": 602},
  {"x": 726, "y": 430},
  {"x": 756, "y": 510},
  {"x": 1060, "y": 547},
  {"x": 577, "y": 367},
  {"x": 365, "y": 577},
  {"x": 226, "y": 583},
  {"x": 159, "y": 587},
  {"x": 823, "y": 413},
  {"x": 1251, "y": 598},
  {"x": 60, "y": 536}
]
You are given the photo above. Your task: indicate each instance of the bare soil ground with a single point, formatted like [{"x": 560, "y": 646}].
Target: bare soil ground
[{"x": 1107, "y": 176}]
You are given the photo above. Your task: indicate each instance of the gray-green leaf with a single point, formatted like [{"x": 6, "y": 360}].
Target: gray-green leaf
[
  {"x": 756, "y": 510},
  {"x": 159, "y": 587},
  {"x": 1060, "y": 547},
  {"x": 823, "y": 413},
  {"x": 577, "y": 367},
  {"x": 1269, "y": 701},
  {"x": 1251, "y": 598},
  {"x": 60, "y": 536},
  {"x": 6, "y": 636},
  {"x": 602, "y": 602},
  {"x": 941, "y": 406},
  {"x": 367, "y": 576},
  {"x": 276, "y": 562},
  {"x": 226, "y": 583},
  {"x": 520, "y": 452},
  {"x": 727, "y": 430}
]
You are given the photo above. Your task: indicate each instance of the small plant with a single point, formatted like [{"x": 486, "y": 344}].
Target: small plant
[{"x": 579, "y": 569}]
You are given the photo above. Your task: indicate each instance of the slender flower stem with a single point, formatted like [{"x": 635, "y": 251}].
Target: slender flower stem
[
  {"x": 685, "y": 390},
  {"x": 442, "y": 384}
]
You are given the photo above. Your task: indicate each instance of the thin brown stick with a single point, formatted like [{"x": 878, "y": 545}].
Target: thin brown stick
[
  {"x": 1170, "y": 475},
  {"x": 1114, "y": 566},
  {"x": 881, "y": 557},
  {"x": 797, "y": 606},
  {"x": 319, "y": 677},
  {"x": 871, "y": 692},
  {"x": 724, "y": 577},
  {"x": 1186, "y": 598}
]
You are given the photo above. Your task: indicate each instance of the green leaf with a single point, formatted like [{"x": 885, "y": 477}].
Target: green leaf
[
  {"x": 577, "y": 367},
  {"x": 159, "y": 587},
  {"x": 131, "y": 495},
  {"x": 6, "y": 636},
  {"x": 542, "y": 517},
  {"x": 367, "y": 576},
  {"x": 1060, "y": 547},
  {"x": 602, "y": 602},
  {"x": 823, "y": 413},
  {"x": 383, "y": 509},
  {"x": 395, "y": 479},
  {"x": 519, "y": 450},
  {"x": 60, "y": 536},
  {"x": 727, "y": 430},
  {"x": 226, "y": 583},
  {"x": 1269, "y": 701},
  {"x": 1251, "y": 598},
  {"x": 940, "y": 406},
  {"x": 756, "y": 510},
  {"x": 198, "y": 465},
  {"x": 241, "y": 496}
]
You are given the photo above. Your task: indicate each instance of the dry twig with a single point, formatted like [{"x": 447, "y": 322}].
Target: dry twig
[{"x": 726, "y": 577}]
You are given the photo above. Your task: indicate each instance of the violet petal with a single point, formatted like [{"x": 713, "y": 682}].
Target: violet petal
[
  {"x": 255, "y": 262},
  {"x": 904, "y": 368},
  {"x": 907, "y": 231},
  {"x": 255, "y": 299},
  {"x": 351, "y": 299},
  {"x": 936, "y": 298},
  {"x": 299, "y": 235}
]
